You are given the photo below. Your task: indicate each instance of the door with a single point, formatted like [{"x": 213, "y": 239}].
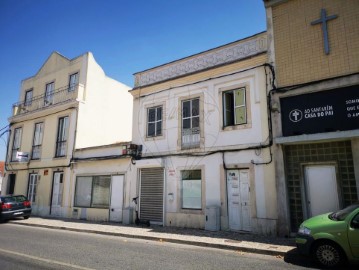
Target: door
[
  {"x": 116, "y": 198},
  {"x": 321, "y": 189},
  {"x": 11, "y": 184},
  {"x": 31, "y": 191},
  {"x": 151, "y": 195},
  {"x": 57, "y": 191},
  {"x": 238, "y": 192}
]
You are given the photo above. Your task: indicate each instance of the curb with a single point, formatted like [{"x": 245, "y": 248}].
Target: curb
[{"x": 168, "y": 240}]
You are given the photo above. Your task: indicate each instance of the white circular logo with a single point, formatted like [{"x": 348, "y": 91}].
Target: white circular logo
[{"x": 295, "y": 115}]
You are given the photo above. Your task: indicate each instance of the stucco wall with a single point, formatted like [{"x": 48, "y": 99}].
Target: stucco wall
[
  {"x": 57, "y": 69},
  {"x": 105, "y": 115},
  {"x": 214, "y": 136},
  {"x": 101, "y": 167}
]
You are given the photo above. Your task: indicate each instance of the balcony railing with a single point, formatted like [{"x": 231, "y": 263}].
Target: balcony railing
[
  {"x": 60, "y": 95},
  {"x": 190, "y": 138}
]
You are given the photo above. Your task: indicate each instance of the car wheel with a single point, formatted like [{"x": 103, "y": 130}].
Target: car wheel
[
  {"x": 328, "y": 255},
  {"x": 26, "y": 217}
]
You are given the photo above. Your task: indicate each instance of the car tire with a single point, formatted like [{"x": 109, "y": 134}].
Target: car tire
[
  {"x": 26, "y": 217},
  {"x": 328, "y": 254}
]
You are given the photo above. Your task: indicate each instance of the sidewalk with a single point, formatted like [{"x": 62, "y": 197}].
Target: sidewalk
[{"x": 242, "y": 242}]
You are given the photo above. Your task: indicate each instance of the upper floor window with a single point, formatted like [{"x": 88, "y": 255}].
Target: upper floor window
[
  {"x": 190, "y": 123},
  {"x": 16, "y": 143},
  {"x": 28, "y": 97},
  {"x": 73, "y": 81},
  {"x": 234, "y": 107},
  {"x": 37, "y": 141},
  {"x": 154, "y": 121},
  {"x": 62, "y": 133},
  {"x": 49, "y": 93}
]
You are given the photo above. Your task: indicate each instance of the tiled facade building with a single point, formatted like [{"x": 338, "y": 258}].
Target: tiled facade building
[{"x": 314, "y": 47}]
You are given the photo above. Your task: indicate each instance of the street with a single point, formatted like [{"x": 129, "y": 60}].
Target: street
[{"x": 25, "y": 247}]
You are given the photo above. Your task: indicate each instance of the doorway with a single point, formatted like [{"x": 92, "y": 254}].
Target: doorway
[
  {"x": 116, "y": 198},
  {"x": 238, "y": 194},
  {"x": 31, "y": 191},
  {"x": 151, "y": 195},
  {"x": 321, "y": 189},
  {"x": 57, "y": 191},
  {"x": 11, "y": 184}
]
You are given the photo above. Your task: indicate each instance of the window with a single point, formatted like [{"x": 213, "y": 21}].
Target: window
[
  {"x": 37, "y": 141},
  {"x": 16, "y": 143},
  {"x": 49, "y": 93},
  {"x": 92, "y": 191},
  {"x": 190, "y": 123},
  {"x": 154, "y": 121},
  {"x": 28, "y": 97},
  {"x": 31, "y": 192},
  {"x": 234, "y": 107},
  {"x": 73, "y": 81},
  {"x": 61, "y": 141},
  {"x": 191, "y": 189}
]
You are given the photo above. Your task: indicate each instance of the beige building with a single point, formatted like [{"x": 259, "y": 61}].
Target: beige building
[
  {"x": 203, "y": 125},
  {"x": 314, "y": 47},
  {"x": 68, "y": 104},
  {"x": 103, "y": 177}
]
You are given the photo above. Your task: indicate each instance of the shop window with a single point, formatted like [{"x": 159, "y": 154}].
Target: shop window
[
  {"x": 92, "y": 191},
  {"x": 191, "y": 189}
]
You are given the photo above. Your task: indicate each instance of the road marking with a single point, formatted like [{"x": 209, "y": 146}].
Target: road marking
[{"x": 45, "y": 260}]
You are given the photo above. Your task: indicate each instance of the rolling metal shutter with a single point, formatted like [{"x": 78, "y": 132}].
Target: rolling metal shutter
[{"x": 151, "y": 197}]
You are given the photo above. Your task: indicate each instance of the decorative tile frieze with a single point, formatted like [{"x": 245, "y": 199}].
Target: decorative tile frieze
[{"x": 219, "y": 56}]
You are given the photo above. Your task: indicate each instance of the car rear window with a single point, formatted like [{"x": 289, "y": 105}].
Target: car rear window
[{"x": 18, "y": 198}]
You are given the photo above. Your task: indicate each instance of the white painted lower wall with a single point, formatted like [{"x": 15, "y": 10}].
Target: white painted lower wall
[
  {"x": 214, "y": 190},
  {"x": 121, "y": 166}
]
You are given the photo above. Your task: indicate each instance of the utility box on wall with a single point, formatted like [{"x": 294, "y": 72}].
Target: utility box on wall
[{"x": 213, "y": 218}]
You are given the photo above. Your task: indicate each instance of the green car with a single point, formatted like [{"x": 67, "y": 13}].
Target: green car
[{"x": 333, "y": 238}]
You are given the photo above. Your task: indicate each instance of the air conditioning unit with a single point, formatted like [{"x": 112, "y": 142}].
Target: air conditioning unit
[{"x": 22, "y": 156}]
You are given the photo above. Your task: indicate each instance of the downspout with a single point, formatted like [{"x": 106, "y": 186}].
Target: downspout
[{"x": 269, "y": 112}]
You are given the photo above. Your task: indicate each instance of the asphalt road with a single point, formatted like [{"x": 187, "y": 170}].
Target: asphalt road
[{"x": 38, "y": 248}]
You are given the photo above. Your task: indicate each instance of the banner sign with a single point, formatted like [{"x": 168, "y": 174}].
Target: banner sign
[{"x": 325, "y": 111}]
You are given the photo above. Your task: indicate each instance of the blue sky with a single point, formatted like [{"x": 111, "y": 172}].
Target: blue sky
[{"x": 125, "y": 36}]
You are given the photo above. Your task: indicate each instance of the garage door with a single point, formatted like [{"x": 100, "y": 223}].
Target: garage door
[{"x": 151, "y": 195}]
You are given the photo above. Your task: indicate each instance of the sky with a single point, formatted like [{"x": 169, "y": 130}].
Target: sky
[{"x": 125, "y": 36}]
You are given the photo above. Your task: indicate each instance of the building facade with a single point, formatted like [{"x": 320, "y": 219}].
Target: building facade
[
  {"x": 102, "y": 178},
  {"x": 314, "y": 46},
  {"x": 204, "y": 127},
  {"x": 69, "y": 104}
]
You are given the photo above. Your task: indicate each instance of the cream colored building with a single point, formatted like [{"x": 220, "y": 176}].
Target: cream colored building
[
  {"x": 203, "y": 125},
  {"x": 68, "y": 104},
  {"x": 314, "y": 47}
]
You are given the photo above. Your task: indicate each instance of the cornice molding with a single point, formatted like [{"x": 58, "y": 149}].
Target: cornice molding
[
  {"x": 222, "y": 55},
  {"x": 271, "y": 3}
]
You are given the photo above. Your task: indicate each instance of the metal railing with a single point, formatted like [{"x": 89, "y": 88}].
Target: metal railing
[
  {"x": 60, "y": 95},
  {"x": 190, "y": 138}
]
